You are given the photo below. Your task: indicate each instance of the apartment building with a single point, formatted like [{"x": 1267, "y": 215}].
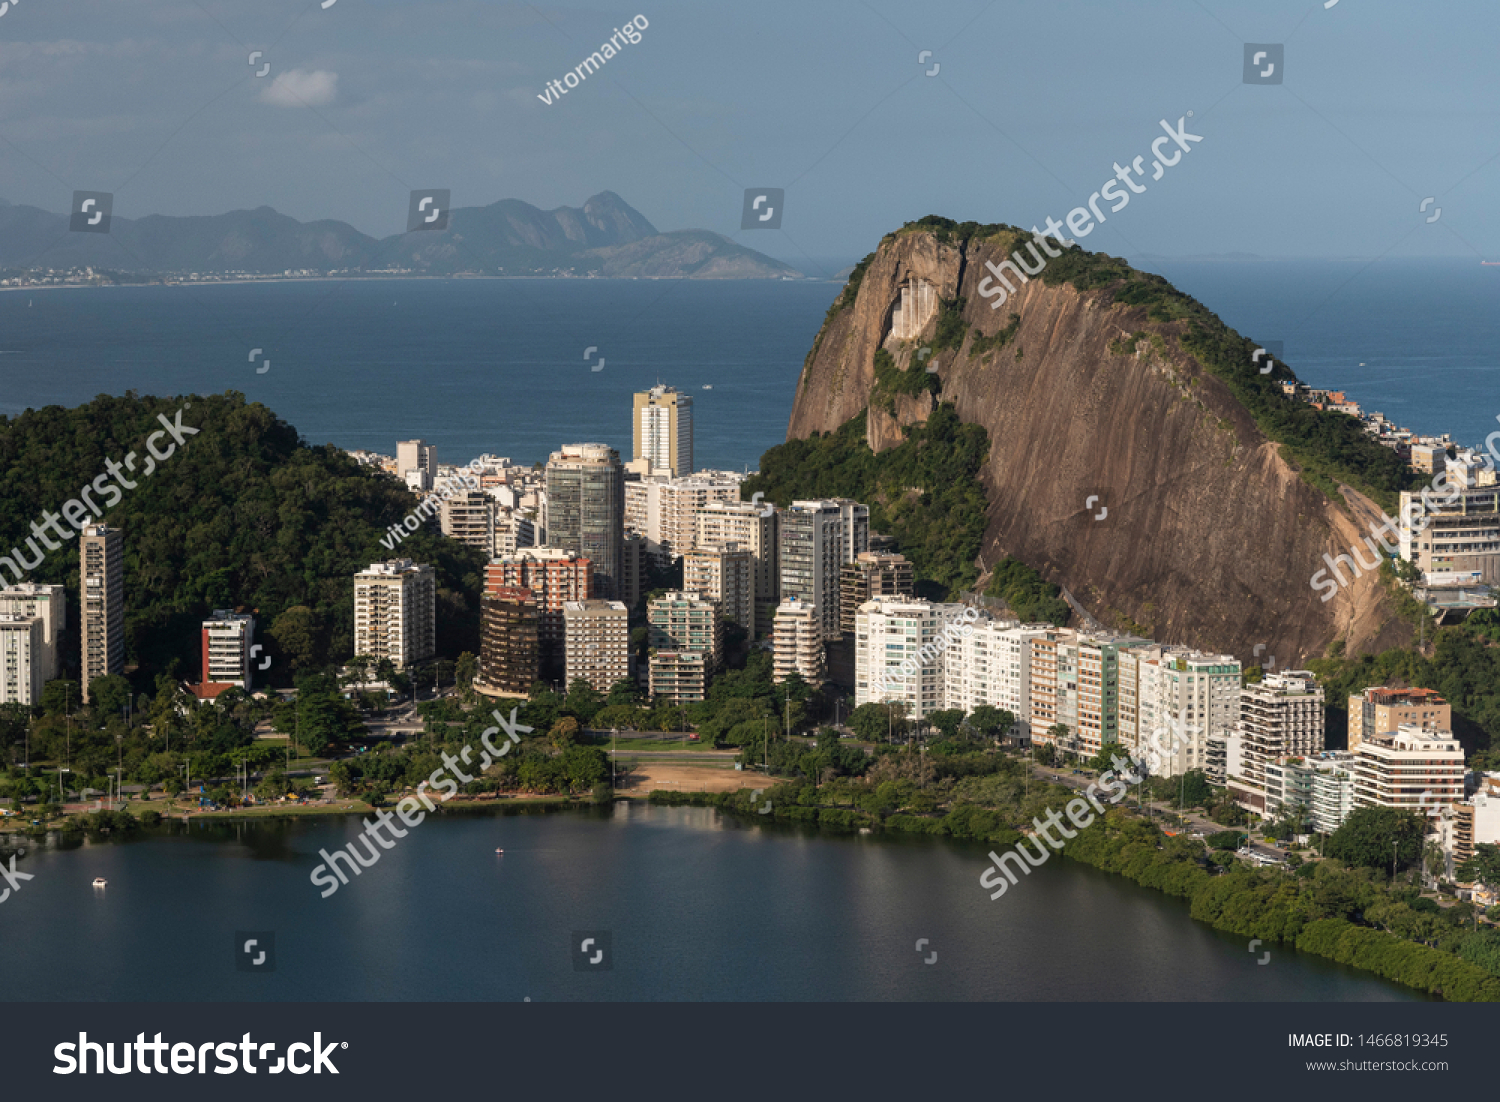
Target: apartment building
[
  {"x": 395, "y": 612},
  {"x": 1280, "y": 716},
  {"x": 1380, "y": 711},
  {"x": 1173, "y": 700},
  {"x": 554, "y": 576},
  {"x": 753, "y": 527},
  {"x": 992, "y": 665},
  {"x": 1459, "y": 537},
  {"x": 514, "y": 530},
  {"x": 662, "y": 431},
  {"x": 416, "y": 464},
  {"x": 815, "y": 539},
  {"x": 633, "y": 564},
  {"x": 469, "y": 517},
  {"x": 22, "y": 656},
  {"x": 680, "y": 676},
  {"x": 597, "y": 642},
  {"x": 509, "y": 651},
  {"x": 685, "y": 621},
  {"x": 1412, "y": 769},
  {"x": 49, "y": 603},
  {"x": 665, "y": 510},
  {"x": 586, "y": 509},
  {"x": 889, "y": 631},
  {"x": 226, "y": 641},
  {"x": 101, "y": 554},
  {"x": 872, "y": 574},
  {"x": 724, "y": 575},
  {"x": 797, "y": 643}
]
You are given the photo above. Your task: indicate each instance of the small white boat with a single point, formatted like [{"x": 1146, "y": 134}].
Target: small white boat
[
  {"x": 100, "y": 882},
  {"x": 499, "y": 851},
  {"x": 708, "y": 386}
]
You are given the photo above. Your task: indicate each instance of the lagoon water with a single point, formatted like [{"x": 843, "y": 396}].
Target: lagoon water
[{"x": 697, "y": 906}]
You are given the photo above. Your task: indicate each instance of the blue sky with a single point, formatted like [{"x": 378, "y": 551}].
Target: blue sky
[{"x": 1383, "y": 105}]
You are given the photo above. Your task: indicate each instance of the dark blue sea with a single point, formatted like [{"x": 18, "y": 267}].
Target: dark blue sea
[{"x": 498, "y": 365}]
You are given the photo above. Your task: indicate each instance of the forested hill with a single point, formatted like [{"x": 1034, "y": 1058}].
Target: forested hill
[{"x": 243, "y": 514}]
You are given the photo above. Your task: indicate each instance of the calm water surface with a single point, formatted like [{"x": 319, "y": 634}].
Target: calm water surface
[{"x": 698, "y": 908}]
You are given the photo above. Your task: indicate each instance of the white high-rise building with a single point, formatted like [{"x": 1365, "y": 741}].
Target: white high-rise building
[
  {"x": 992, "y": 665},
  {"x": 227, "y": 639},
  {"x": 797, "y": 643},
  {"x": 1180, "y": 698},
  {"x": 897, "y": 656},
  {"x": 750, "y": 525},
  {"x": 815, "y": 539},
  {"x": 1280, "y": 716},
  {"x": 395, "y": 605},
  {"x": 22, "y": 652},
  {"x": 663, "y": 432},
  {"x": 1415, "y": 769},
  {"x": 49, "y": 602}
]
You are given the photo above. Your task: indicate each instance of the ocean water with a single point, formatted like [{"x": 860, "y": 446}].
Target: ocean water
[
  {"x": 470, "y": 365},
  {"x": 499, "y": 365}
]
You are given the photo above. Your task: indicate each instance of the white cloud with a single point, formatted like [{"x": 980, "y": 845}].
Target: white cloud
[{"x": 302, "y": 88}]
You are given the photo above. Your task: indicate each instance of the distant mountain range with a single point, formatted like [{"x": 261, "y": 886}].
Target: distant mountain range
[{"x": 605, "y": 237}]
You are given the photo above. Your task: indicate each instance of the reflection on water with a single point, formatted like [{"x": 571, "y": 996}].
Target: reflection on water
[{"x": 697, "y": 906}]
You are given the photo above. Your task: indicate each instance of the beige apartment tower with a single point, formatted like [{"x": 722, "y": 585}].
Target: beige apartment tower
[
  {"x": 1380, "y": 711},
  {"x": 726, "y": 576},
  {"x": 662, "y": 428},
  {"x": 395, "y": 606},
  {"x": 597, "y": 642},
  {"x": 101, "y": 555}
]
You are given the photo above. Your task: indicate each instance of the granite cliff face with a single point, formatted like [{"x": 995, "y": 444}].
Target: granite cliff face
[{"x": 1201, "y": 531}]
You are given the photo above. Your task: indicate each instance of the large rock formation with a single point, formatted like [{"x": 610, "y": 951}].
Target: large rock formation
[{"x": 1211, "y": 537}]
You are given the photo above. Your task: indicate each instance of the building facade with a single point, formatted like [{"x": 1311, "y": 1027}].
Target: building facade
[
  {"x": 395, "y": 612},
  {"x": 662, "y": 430},
  {"x": 469, "y": 517},
  {"x": 226, "y": 642},
  {"x": 815, "y": 539},
  {"x": 1381, "y": 711},
  {"x": 554, "y": 576},
  {"x": 101, "y": 554},
  {"x": 751, "y": 526},
  {"x": 49, "y": 603},
  {"x": 1280, "y": 716},
  {"x": 586, "y": 509},
  {"x": 597, "y": 642},
  {"x": 797, "y": 643},
  {"x": 509, "y": 654},
  {"x": 22, "y": 654},
  {"x": 420, "y": 457},
  {"x": 724, "y": 575},
  {"x": 872, "y": 574},
  {"x": 1413, "y": 769}
]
